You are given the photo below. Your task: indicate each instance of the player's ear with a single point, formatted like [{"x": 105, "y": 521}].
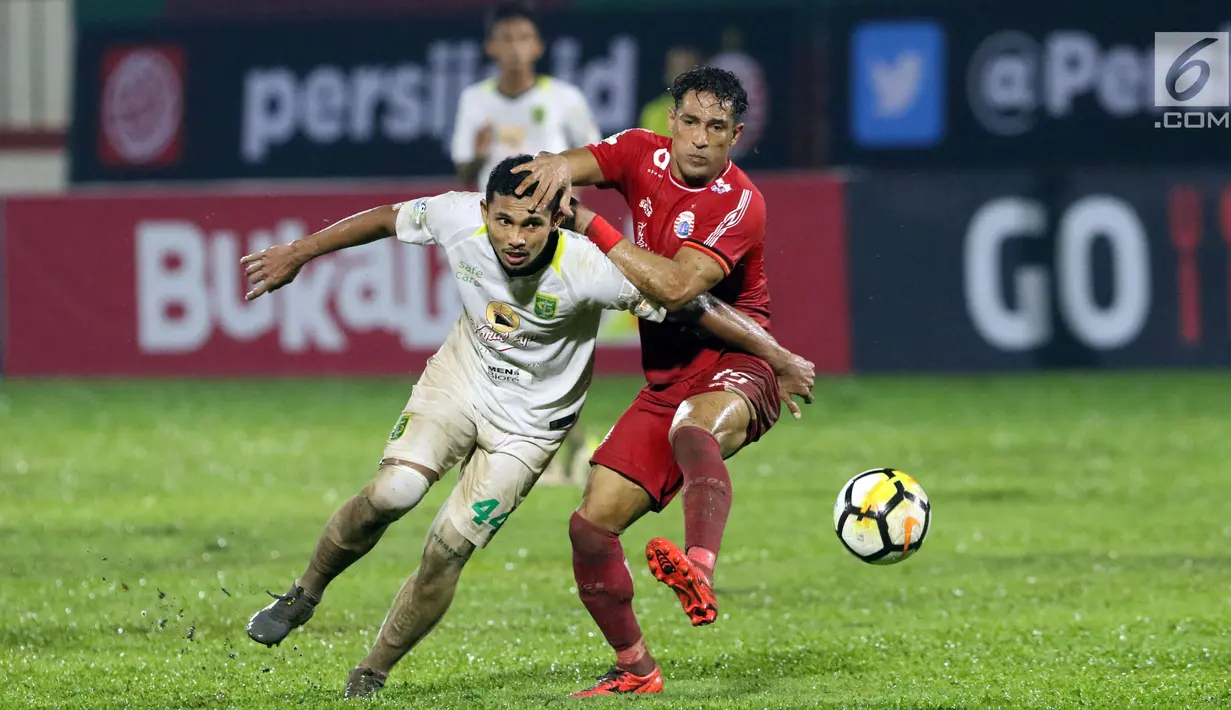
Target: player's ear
[
  {"x": 671, "y": 118},
  {"x": 483, "y": 210},
  {"x": 736, "y": 133}
]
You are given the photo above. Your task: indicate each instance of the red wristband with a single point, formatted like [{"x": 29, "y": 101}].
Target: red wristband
[{"x": 604, "y": 236}]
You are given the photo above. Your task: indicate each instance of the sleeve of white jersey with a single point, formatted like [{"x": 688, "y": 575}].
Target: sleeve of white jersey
[
  {"x": 579, "y": 121},
  {"x": 465, "y": 127},
  {"x": 412, "y": 221},
  {"x": 601, "y": 283},
  {"x": 437, "y": 220}
]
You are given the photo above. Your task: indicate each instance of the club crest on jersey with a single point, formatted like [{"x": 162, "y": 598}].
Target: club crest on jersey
[
  {"x": 684, "y": 224},
  {"x": 502, "y": 318},
  {"x": 647, "y": 207},
  {"x": 545, "y": 306},
  {"x": 537, "y": 114},
  {"x": 400, "y": 428},
  {"x": 720, "y": 186}
]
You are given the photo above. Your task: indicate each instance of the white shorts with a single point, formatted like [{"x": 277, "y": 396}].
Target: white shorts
[{"x": 441, "y": 426}]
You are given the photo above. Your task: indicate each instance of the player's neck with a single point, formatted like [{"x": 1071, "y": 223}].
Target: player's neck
[{"x": 517, "y": 82}]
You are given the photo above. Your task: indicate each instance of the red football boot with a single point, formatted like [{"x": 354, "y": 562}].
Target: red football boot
[
  {"x": 618, "y": 681},
  {"x": 673, "y": 568}
]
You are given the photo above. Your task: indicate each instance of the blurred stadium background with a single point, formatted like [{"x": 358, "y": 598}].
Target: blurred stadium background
[{"x": 976, "y": 210}]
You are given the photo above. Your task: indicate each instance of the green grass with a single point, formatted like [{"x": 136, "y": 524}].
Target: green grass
[{"x": 1079, "y": 555}]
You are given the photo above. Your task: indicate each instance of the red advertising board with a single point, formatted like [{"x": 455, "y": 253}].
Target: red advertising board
[{"x": 149, "y": 284}]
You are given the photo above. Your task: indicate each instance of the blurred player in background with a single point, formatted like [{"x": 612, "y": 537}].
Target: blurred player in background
[
  {"x": 498, "y": 397},
  {"x": 700, "y": 228},
  {"x": 654, "y": 114},
  {"x": 517, "y": 111},
  {"x": 520, "y": 111}
]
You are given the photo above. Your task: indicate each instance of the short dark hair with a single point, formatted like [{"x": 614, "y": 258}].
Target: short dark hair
[
  {"x": 723, "y": 84},
  {"x": 508, "y": 10},
  {"x": 503, "y": 181}
]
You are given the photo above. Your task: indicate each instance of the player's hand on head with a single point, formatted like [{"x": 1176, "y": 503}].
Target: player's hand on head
[
  {"x": 796, "y": 377},
  {"x": 271, "y": 269},
  {"x": 550, "y": 171}
]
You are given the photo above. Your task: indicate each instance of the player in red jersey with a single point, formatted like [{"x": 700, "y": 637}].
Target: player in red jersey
[{"x": 699, "y": 226}]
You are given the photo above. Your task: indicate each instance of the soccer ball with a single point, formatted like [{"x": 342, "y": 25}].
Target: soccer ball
[{"x": 882, "y": 516}]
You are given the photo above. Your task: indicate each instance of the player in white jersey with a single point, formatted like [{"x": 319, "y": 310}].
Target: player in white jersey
[
  {"x": 517, "y": 111},
  {"x": 497, "y": 397}
]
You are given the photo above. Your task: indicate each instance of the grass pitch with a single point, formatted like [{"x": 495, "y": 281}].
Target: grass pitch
[{"x": 1078, "y": 555}]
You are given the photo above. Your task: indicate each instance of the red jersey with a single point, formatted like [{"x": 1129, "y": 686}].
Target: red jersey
[{"x": 724, "y": 220}]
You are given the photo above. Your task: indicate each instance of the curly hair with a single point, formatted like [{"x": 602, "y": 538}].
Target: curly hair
[
  {"x": 503, "y": 181},
  {"x": 724, "y": 85}
]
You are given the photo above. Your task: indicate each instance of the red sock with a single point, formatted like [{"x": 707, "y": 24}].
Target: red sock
[
  {"x": 606, "y": 588},
  {"x": 706, "y": 494}
]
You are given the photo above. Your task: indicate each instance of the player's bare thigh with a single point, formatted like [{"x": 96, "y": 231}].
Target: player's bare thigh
[
  {"x": 613, "y": 502},
  {"x": 726, "y": 414}
]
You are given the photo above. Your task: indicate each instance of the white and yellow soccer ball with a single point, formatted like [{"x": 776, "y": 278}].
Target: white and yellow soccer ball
[{"x": 882, "y": 516}]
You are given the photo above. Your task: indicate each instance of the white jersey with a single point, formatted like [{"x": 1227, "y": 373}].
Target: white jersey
[
  {"x": 553, "y": 117},
  {"x": 529, "y": 340}
]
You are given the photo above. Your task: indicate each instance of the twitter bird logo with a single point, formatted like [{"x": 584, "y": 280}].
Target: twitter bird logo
[{"x": 897, "y": 84}]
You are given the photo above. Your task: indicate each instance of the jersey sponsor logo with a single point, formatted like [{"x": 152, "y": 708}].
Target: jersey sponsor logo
[
  {"x": 468, "y": 273},
  {"x": 647, "y": 207},
  {"x": 641, "y": 234},
  {"x": 684, "y": 224},
  {"x": 545, "y": 306},
  {"x": 503, "y": 373},
  {"x": 487, "y": 334},
  {"x": 721, "y": 186},
  {"x": 662, "y": 158},
  {"x": 502, "y": 318}
]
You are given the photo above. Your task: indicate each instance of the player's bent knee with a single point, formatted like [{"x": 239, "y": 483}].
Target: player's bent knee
[
  {"x": 612, "y": 502},
  {"x": 397, "y": 488},
  {"x": 725, "y": 415}
]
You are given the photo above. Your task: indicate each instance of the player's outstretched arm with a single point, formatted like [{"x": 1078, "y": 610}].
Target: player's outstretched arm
[
  {"x": 559, "y": 171},
  {"x": 796, "y": 374},
  {"x": 673, "y": 284},
  {"x": 278, "y": 265}
]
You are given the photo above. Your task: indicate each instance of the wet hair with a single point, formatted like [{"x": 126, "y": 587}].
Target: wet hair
[
  {"x": 723, "y": 84},
  {"x": 503, "y": 181},
  {"x": 508, "y": 11}
]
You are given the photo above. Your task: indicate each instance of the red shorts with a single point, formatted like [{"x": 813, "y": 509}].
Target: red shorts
[{"x": 638, "y": 446}]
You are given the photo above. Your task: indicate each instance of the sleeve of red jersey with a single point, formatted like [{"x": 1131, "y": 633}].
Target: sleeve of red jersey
[
  {"x": 727, "y": 236},
  {"x": 617, "y": 155}
]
